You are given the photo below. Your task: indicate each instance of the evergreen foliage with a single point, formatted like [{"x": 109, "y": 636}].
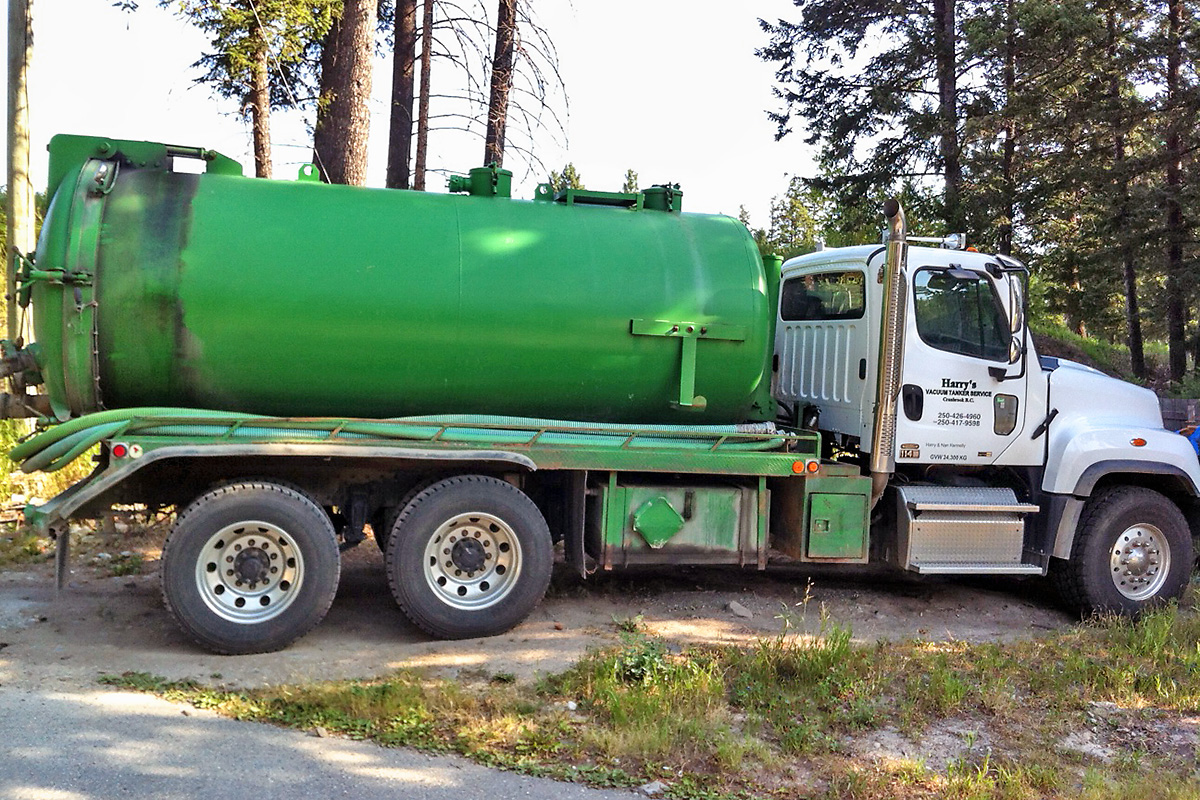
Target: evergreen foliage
[
  {"x": 567, "y": 179},
  {"x": 631, "y": 182},
  {"x": 260, "y": 54},
  {"x": 1063, "y": 132}
]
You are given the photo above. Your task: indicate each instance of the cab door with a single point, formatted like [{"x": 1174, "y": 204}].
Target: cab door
[{"x": 961, "y": 401}]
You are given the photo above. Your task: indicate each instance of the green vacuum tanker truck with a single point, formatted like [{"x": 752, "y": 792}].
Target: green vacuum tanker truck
[{"x": 489, "y": 384}]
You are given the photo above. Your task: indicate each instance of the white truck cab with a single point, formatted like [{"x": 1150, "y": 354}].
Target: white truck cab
[{"x": 997, "y": 461}]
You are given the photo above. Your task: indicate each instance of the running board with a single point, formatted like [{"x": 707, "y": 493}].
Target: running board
[
  {"x": 965, "y": 530},
  {"x": 978, "y": 569}
]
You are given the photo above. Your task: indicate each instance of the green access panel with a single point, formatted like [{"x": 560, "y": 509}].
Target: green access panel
[{"x": 837, "y": 526}]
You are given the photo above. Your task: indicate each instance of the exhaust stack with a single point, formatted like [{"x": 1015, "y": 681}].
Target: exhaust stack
[{"x": 891, "y": 351}]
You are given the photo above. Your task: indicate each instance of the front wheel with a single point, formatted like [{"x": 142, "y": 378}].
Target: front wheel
[
  {"x": 250, "y": 567},
  {"x": 469, "y": 556},
  {"x": 1132, "y": 551}
]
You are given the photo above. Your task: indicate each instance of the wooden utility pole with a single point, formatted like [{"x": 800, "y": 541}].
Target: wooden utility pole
[{"x": 20, "y": 210}]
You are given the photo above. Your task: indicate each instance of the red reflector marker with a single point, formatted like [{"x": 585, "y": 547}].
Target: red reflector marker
[
  {"x": 1138, "y": 442},
  {"x": 119, "y": 450}
]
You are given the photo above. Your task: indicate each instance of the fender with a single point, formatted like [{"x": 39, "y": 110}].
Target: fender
[
  {"x": 1067, "y": 506},
  {"x": 1080, "y": 455}
]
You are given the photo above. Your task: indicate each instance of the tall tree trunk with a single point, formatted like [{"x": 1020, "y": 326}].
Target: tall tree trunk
[
  {"x": 21, "y": 224},
  {"x": 502, "y": 77},
  {"x": 1008, "y": 156},
  {"x": 423, "y": 106},
  {"x": 1133, "y": 316},
  {"x": 404, "y": 60},
  {"x": 260, "y": 106},
  {"x": 343, "y": 117},
  {"x": 1176, "y": 341},
  {"x": 947, "y": 81}
]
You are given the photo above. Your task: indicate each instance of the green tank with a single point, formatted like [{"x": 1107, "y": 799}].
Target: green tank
[{"x": 155, "y": 287}]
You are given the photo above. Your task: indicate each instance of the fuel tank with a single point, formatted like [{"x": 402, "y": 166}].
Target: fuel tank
[{"x": 157, "y": 287}]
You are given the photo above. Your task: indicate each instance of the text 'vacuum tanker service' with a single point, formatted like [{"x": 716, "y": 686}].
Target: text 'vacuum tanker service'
[{"x": 481, "y": 380}]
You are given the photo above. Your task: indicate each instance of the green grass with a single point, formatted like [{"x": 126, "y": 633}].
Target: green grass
[
  {"x": 779, "y": 719},
  {"x": 125, "y": 564}
]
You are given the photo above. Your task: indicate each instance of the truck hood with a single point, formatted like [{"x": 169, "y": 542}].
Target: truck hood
[
  {"x": 1106, "y": 426},
  {"x": 1080, "y": 391}
]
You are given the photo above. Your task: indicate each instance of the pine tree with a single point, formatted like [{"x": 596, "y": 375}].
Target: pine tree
[
  {"x": 567, "y": 179},
  {"x": 400, "y": 129},
  {"x": 501, "y": 81},
  {"x": 872, "y": 115},
  {"x": 793, "y": 228},
  {"x": 343, "y": 117},
  {"x": 631, "y": 182},
  {"x": 259, "y": 54}
]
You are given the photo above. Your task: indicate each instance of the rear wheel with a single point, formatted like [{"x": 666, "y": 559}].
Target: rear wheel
[
  {"x": 469, "y": 556},
  {"x": 250, "y": 567},
  {"x": 384, "y": 519},
  {"x": 1132, "y": 551}
]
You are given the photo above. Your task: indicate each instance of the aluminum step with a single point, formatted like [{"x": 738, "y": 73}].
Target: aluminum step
[
  {"x": 1015, "y": 508},
  {"x": 971, "y": 499},
  {"x": 928, "y": 568},
  {"x": 962, "y": 530}
]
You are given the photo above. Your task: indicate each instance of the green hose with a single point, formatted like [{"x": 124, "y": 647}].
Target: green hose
[
  {"x": 399, "y": 429},
  {"x": 57, "y": 455},
  {"x": 58, "y": 446},
  {"x": 44, "y": 439}
]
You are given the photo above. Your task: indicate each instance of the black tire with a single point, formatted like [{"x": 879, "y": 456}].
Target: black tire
[
  {"x": 383, "y": 520},
  {"x": 273, "y": 534},
  {"x": 457, "y": 586},
  {"x": 1132, "y": 551}
]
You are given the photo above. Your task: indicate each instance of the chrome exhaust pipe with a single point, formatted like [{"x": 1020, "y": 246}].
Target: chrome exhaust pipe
[{"x": 891, "y": 351}]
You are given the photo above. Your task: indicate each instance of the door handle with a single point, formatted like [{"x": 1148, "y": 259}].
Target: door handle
[{"x": 913, "y": 400}]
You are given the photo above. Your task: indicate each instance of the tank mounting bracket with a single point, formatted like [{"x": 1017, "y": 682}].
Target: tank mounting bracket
[{"x": 688, "y": 333}]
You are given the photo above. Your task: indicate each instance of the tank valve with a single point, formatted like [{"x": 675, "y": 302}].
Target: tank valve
[{"x": 489, "y": 181}]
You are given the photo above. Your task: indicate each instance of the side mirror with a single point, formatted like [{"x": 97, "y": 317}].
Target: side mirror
[
  {"x": 1015, "y": 349},
  {"x": 1016, "y": 304}
]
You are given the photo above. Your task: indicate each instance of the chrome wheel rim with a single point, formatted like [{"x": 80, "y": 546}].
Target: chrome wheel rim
[
  {"x": 1140, "y": 561},
  {"x": 472, "y": 561},
  {"x": 249, "y": 572}
]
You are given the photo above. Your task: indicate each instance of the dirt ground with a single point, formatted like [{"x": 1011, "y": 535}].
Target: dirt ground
[
  {"x": 105, "y": 624},
  {"x": 109, "y": 624}
]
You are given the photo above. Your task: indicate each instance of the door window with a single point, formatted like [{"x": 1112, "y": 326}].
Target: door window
[{"x": 958, "y": 311}]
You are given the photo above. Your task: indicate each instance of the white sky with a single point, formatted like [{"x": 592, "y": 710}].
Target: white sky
[{"x": 670, "y": 88}]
